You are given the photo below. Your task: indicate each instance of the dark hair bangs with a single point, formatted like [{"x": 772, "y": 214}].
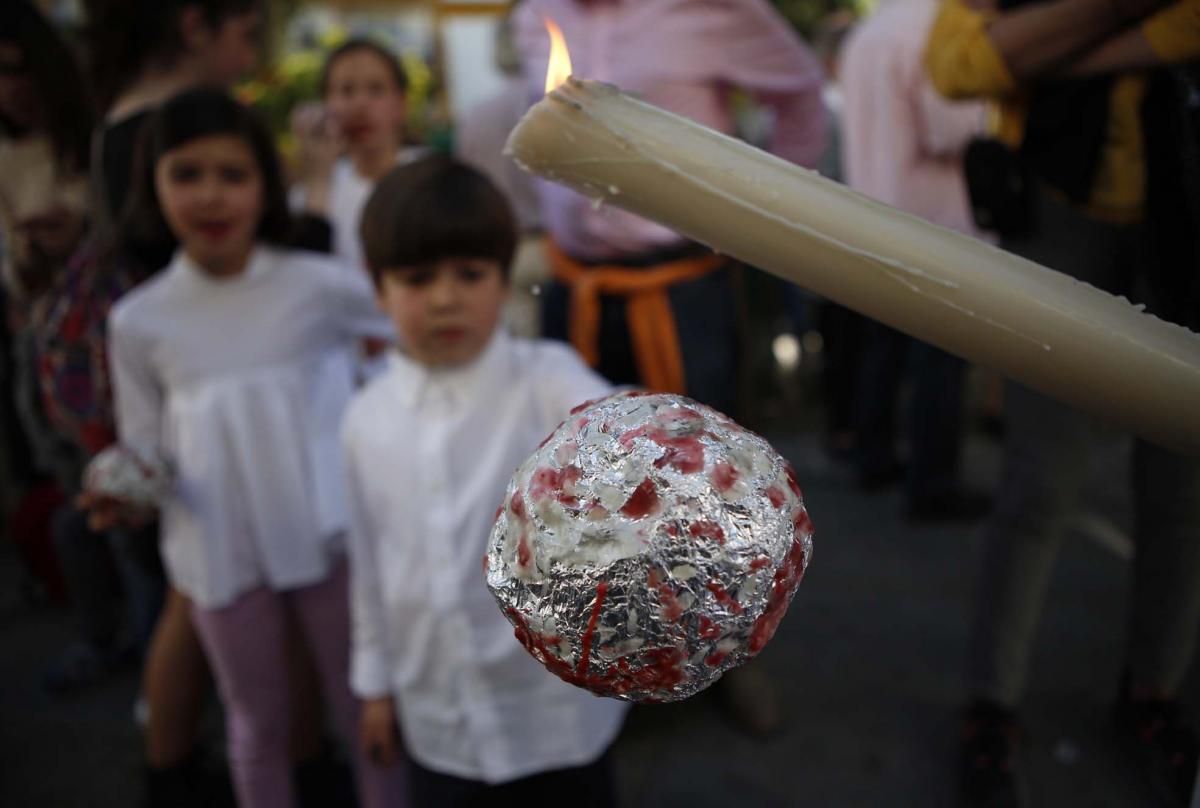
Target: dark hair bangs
[
  {"x": 434, "y": 209},
  {"x": 445, "y": 228}
]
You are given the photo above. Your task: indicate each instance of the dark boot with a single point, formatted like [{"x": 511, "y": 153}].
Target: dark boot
[
  {"x": 325, "y": 781},
  {"x": 190, "y": 784},
  {"x": 1161, "y": 741},
  {"x": 990, "y": 774}
]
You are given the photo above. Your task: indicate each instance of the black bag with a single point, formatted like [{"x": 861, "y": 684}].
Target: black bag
[
  {"x": 1171, "y": 127},
  {"x": 999, "y": 188}
]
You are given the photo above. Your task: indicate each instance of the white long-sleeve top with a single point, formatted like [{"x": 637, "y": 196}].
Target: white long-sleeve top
[
  {"x": 429, "y": 455},
  {"x": 241, "y": 384}
]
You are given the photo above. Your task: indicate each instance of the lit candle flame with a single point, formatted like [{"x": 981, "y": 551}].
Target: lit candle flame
[{"x": 559, "y": 69}]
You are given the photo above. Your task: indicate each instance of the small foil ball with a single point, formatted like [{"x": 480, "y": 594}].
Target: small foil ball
[
  {"x": 649, "y": 545},
  {"x": 123, "y": 474}
]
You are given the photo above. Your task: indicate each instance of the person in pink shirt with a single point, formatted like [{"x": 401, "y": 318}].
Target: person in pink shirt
[
  {"x": 903, "y": 141},
  {"x": 690, "y": 58},
  {"x": 642, "y": 304},
  {"x": 903, "y": 145}
]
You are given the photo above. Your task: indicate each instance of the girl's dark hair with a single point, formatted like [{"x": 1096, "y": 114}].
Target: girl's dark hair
[
  {"x": 57, "y": 79},
  {"x": 127, "y": 36},
  {"x": 356, "y": 45},
  {"x": 188, "y": 116},
  {"x": 436, "y": 208}
]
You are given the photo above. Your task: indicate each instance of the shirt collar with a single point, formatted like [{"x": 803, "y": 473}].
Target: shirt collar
[
  {"x": 258, "y": 263},
  {"x": 418, "y": 386},
  {"x": 404, "y": 156}
]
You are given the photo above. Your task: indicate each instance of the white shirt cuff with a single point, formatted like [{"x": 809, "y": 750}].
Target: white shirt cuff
[{"x": 369, "y": 677}]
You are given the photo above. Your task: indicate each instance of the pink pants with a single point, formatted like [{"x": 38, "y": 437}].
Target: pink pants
[{"x": 245, "y": 643}]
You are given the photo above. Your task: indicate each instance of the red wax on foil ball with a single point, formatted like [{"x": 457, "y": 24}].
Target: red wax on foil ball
[{"x": 648, "y": 546}]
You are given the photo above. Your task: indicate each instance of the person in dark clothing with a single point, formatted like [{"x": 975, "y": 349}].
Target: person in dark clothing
[
  {"x": 1100, "y": 131},
  {"x": 46, "y": 114}
]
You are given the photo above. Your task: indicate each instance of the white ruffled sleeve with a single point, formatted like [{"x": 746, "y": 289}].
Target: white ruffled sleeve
[
  {"x": 353, "y": 303},
  {"x": 137, "y": 392}
]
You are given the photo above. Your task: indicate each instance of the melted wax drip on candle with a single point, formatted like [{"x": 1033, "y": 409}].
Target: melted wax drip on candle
[
  {"x": 786, "y": 579},
  {"x": 601, "y": 592},
  {"x": 643, "y": 502}
]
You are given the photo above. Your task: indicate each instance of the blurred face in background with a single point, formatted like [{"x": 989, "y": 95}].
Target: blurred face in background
[
  {"x": 211, "y": 192},
  {"x": 54, "y": 233},
  {"x": 366, "y": 104},
  {"x": 45, "y": 208},
  {"x": 226, "y": 52}
]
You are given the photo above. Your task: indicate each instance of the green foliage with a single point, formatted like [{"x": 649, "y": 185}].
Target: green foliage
[
  {"x": 294, "y": 78},
  {"x": 806, "y": 14}
]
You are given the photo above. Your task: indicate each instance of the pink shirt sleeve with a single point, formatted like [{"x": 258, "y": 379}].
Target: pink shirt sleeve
[
  {"x": 686, "y": 56},
  {"x": 903, "y": 143},
  {"x": 946, "y": 126},
  {"x": 759, "y": 52},
  {"x": 879, "y": 136}
]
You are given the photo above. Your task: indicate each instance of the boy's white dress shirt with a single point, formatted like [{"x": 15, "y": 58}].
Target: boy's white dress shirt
[
  {"x": 242, "y": 383},
  {"x": 429, "y": 455}
]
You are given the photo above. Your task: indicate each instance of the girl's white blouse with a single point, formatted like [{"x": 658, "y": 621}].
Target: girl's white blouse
[{"x": 240, "y": 384}]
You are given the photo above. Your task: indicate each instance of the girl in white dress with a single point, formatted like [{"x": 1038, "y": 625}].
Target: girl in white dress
[
  {"x": 352, "y": 139},
  {"x": 348, "y": 142},
  {"x": 233, "y": 365}
]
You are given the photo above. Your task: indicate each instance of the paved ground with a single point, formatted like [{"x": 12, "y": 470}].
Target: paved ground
[{"x": 867, "y": 663}]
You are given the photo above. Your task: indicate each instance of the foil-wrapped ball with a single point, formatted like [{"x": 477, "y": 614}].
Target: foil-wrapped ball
[
  {"x": 120, "y": 473},
  {"x": 648, "y": 546}
]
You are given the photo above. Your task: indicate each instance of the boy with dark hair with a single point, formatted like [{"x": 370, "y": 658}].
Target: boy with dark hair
[{"x": 430, "y": 445}]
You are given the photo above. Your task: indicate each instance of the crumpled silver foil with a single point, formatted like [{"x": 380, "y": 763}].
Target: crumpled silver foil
[
  {"x": 123, "y": 474},
  {"x": 648, "y": 546}
]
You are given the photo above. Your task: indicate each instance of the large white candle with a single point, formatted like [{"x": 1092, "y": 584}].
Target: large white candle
[{"x": 1040, "y": 327}]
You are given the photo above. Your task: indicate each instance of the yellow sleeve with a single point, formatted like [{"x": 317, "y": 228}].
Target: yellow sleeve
[
  {"x": 961, "y": 59},
  {"x": 1174, "y": 32}
]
